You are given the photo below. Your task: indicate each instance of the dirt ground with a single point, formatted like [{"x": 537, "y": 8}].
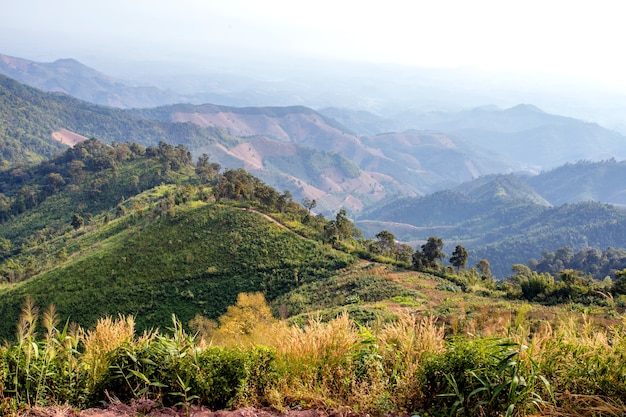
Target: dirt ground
[{"x": 150, "y": 409}]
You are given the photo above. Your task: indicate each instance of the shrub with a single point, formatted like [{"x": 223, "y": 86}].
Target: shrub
[
  {"x": 234, "y": 377},
  {"x": 488, "y": 377},
  {"x": 156, "y": 366}
]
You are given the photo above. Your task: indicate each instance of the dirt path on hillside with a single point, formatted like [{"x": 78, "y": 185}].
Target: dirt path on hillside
[{"x": 273, "y": 220}]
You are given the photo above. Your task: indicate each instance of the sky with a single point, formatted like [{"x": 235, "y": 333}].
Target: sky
[{"x": 580, "y": 39}]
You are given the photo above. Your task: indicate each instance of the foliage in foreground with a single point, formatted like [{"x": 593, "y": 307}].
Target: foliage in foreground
[{"x": 403, "y": 366}]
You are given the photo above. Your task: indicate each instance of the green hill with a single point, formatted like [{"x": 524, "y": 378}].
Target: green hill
[
  {"x": 195, "y": 262},
  {"x": 151, "y": 239},
  {"x": 583, "y": 181}
]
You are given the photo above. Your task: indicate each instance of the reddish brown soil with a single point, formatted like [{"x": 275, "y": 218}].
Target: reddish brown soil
[
  {"x": 67, "y": 138},
  {"x": 150, "y": 409}
]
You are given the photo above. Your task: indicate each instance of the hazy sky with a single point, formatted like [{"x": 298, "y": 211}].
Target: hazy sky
[{"x": 569, "y": 37}]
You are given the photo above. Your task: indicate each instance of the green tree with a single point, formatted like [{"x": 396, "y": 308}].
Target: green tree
[
  {"x": 403, "y": 253},
  {"x": 433, "y": 251},
  {"x": 536, "y": 285},
  {"x": 484, "y": 267},
  {"x": 459, "y": 257},
  {"x": 619, "y": 286},
  {"x": 77, "y": 221},
  {"x": 418, "y": 259},
  {"x": 386, "y": 240},
  {"x": 309, "y": 204},
  {"x": 206, "y": 170}
]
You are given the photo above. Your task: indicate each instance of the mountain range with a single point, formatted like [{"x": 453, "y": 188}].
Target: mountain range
[
  {"x": 291, "y": 148},
  {"x": 504, "y": 219},
  {"x": 389, "y": 172}
]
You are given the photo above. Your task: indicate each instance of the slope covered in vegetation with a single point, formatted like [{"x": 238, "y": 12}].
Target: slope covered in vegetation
[{"x": 97, "y": 235}]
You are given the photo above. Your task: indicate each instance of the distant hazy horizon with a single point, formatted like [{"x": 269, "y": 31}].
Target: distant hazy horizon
[
  {"x": 574, "y": 39},
  {"x": 562, "y": 56}
]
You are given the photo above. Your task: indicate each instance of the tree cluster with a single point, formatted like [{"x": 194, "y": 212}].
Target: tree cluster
[
  {"x": 239, "y": 185},
  {"x": 593, "y": 261},
  {"x": 566, "y": 286}
]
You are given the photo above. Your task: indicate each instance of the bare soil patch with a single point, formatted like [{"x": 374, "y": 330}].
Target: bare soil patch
[
  {"x": 67, "y": 137},
  {"x": 146, "y": 408}
]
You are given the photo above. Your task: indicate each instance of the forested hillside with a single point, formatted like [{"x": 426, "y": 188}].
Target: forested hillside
[
  {"x": 144, "y": 231},
  {"x": 501, "y": 219},
  {"x": 583, "y": 181},
  {"x": 33, "y": 117}
]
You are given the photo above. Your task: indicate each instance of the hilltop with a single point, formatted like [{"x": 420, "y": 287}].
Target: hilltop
[{"x": 138, "y": 225}]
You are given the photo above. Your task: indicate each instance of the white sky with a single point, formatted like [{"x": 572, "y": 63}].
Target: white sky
[{"x": 577, "y": 38}]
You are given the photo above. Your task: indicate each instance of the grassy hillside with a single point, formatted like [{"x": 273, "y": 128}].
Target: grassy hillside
[
  {"x": 193, "y": 246},
  {"x": 195, "y": 262},
  {"x": 102, "y": 229}
]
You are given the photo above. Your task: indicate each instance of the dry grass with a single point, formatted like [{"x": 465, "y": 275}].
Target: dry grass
[
  {"x": 107, "y": 336},
  {"x": 576, "y": 405},
  {"x": 340, "y": 365}
]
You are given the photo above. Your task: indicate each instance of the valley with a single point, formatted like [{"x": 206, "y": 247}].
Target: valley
[{"x": 208, "y": 255}]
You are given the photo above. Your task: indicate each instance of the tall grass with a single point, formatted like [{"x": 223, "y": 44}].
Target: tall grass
[{"x": 405, "y": 366}]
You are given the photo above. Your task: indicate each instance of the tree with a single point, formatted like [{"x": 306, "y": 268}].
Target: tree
[
  {"x": 309, "y": 204},
  {"x": 418, "y": 259},
  {"x": 344, "y": 228},
  {"x": 619, "y": 286},
  {"x": 206, "y": 170},
  {"x": 459, "y": 257},
  {"x": 404, "y": 252},
  {"x": 535, "y": 285},
  {"x": 484, "y": 267},
  {"x": 249, "y": 318},
  {"x": 386, "y": 240},
  {"x": 433, "y": 252},
  {"x": 77, "y": 221}
]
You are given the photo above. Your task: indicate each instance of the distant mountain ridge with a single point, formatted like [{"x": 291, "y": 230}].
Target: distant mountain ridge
[
  {"x": 295, "y": 147},
  {"x": 291, "y": 148},
  {"x": 71, "y": 77},
  {"x": 504, "y": 219},
  {"x": 524, "y": 133}
]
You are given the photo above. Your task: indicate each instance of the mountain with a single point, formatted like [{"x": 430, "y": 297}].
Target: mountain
[
  {"x": 293, "y": 148},
  {"x": 409, "y": 163},
  {"x": 71, "y": 77},
  {"x": 50, "y": 120},
  {"x": 500, "y": 218},
  {"x": 435, "y": 158},
  {"x": 525, "y": 134},
  {"x": 583, "y": 181}
]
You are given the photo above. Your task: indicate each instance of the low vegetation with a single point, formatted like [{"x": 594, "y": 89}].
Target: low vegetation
[{"x": 412, "y": 364}]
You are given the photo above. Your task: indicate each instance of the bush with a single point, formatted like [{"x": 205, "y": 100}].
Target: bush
[
  {"x": 536, "y": 285},
  {"x": 488, "y": 377},
  {"x": 229, "y": 377}
]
